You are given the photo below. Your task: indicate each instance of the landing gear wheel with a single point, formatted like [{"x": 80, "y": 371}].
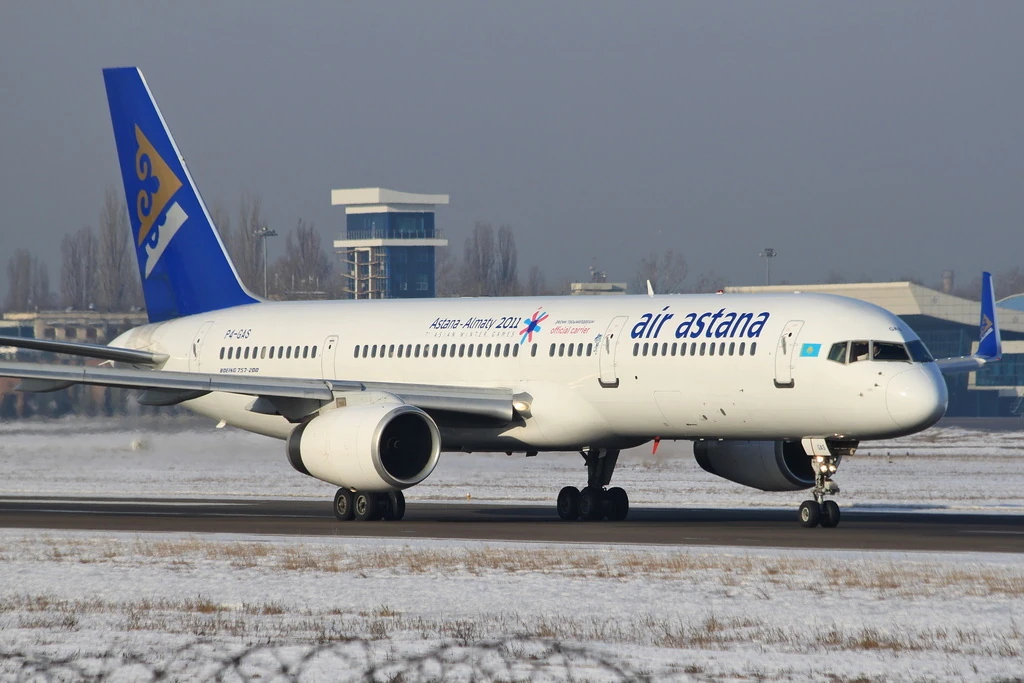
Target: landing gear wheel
[
  {"x": 810, "y": 513},
  {"x": 618, "y": 504},
  {"x": 569, "y": 503},
  {"x": 367, "y": 506},
  {"x": 830, "y": 514},
  {"x": 591, "y": 503},
  {"x": 343, "y": 509},
  {"x": 394, "y": 506}
]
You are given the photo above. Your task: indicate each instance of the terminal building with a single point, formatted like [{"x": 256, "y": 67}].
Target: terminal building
[
  {"x": 387, "y": 251},
  {"x": 948, "y": 325}
]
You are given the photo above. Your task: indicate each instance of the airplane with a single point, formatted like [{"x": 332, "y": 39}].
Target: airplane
[{"x": 773, "y": 389}]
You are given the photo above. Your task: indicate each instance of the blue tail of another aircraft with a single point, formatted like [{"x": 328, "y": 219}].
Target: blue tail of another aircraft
[
  {"x": 184, "y": 266},
  {"x": 990, "y": 345}
]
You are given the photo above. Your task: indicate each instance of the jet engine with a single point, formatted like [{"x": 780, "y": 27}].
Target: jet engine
[
  {"x": 765, "y": 465},
  {"x": 375, "y": 447}
]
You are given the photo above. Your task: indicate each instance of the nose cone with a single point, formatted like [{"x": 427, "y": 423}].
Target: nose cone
[{"x": 916, "y": 398}]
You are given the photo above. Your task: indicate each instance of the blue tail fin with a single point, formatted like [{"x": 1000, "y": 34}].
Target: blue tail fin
[
  {"x": 990, "y": 344},
  {"x": 184, "y": 266}
]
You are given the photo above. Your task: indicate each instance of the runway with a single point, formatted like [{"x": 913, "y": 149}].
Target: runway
[{"x": 860, "y": 529}]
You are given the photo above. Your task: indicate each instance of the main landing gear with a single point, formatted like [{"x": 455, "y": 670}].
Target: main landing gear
[
  {"x": 595, "y": 501},
  {"x": 825, "y": 460},
  {"x": 364, "y": 506}
]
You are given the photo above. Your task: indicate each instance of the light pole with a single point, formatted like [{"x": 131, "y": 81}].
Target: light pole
[
  {"x": 263, "y": 233},
  {"x": 768, "y": 255}
]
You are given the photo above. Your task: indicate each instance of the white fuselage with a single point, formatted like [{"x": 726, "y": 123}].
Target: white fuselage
[{"x": 596, "y": 371}]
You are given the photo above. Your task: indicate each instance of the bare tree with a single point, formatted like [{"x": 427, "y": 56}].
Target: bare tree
[
  {"x": 117, "y": 287},
  {"x": 666, "y": 274},
  {"x": 506, "y": 272},
  {"x": 536, "y": 283},
  {"x": 41, "y": 296},
  {"x": 708, "y": 283},
  {"x": 244, "y": 246},
  {"x": 19, "y": 281},
  {"x": 478, "y": 262},
  {"x": 221, "y": 218},
  {"x": 304, "y": 272},
  {"x": 78, "y": 268},
  {"x": 446, "y": 273}
]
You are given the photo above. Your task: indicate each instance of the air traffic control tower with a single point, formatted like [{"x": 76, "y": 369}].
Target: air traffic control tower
[{"x": 388, "y": 248}]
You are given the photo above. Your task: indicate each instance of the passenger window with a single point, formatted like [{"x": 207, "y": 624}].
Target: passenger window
[
  {"x": 401, "y": 349},
  {"x": 636, "y": 348},
  {"x": 366, "y": 350},
  {"x": 674, "y": 348},
  {"x": 743, "y": 346},
  {"x": 753, "y": 348},
  {"x": 570, "y": 350},
  {"x": 858, "y": 351},
  {"x": 838, "y": 352},
  {"x": 444, "y": 350},
  {"x": 247, "y": 353},
  {"x": 508, "y": 350},
  {"x": 654, "y": 349},
  {"x": 703, "y": 346},
  {"x": 693, "y": 348},
  {"x": 433, "y": 353},
  {"x": 732, "y": 348},
  {"x": 462, "y": 350},
  {"x": 357, "y": 352},
  {"x": 515, "y": 350},
  {"x": 533, "y": 351},
  {"x": 288, "y": 352},
  {"x": 280, "y": 352},
  {"x": 664, "y": 348},
  {"x": 479, "y": 350},
  {"x": 469, "y": 351},
  {"x": 711, "y": 349},
  {"x": 551, "y": 351},
  {"x": 230, "y": 353},
  {"x": 561, "y": 350},
  {"x": 263, "y": 352},
  {"x": 416, "y": 351},
  {"x": 487, "y": 351},
  {"x": 391, "y": 351},
  {"x": 305, "y": 352},
  {"x": 647, "y": 347},
  {"x": 682, "y": 349},
  {"x": 889, "y": 351},
  {"x": 590, "y": 349}
]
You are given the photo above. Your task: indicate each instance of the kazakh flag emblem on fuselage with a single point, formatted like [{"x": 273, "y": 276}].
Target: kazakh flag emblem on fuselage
[{"x": 810, "y": 350}]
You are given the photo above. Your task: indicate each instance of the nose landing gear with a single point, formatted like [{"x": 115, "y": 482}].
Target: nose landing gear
[
  {"x": 595, "y": 501},
  {"x": 825, "y": 459}
]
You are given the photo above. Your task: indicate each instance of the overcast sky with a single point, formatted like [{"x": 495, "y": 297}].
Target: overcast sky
[{"x": 874, "y": 139}]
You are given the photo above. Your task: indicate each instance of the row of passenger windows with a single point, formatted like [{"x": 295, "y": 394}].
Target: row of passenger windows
[
  {"x": 254, "y": 352},
  {"x": 464, "y": 350},
  {"x": 853, "y": 351},
  {"x": 438, "y": 350},
  {"x": 702, "y": 349}
]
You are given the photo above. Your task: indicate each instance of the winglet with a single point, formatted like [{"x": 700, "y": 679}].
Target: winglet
[
  {"x": 650, "y": 288},
  {"x": 990, "y": 344}
]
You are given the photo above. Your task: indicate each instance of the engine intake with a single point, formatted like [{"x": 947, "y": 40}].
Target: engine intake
[
  {"x": 376, "y": 447},
  {"x": 765, "y": 465}
]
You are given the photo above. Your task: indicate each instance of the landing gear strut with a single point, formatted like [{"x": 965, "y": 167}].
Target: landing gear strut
[
  {"x": 365, "y": 506},
  {"x": 595, "y": 501},
  {"x": 825, "y": 458}
]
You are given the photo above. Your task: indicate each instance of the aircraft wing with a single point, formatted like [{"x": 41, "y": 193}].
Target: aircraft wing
[
  {"x": 293, "y": 398},
  {"x": 990, "y": 345},
  {"x": 101, "y": 351}
]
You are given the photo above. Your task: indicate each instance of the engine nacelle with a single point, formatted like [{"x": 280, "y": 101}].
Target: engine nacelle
[
  {"x": 765, "y": 465},
  {"x": 376, "y": 447}
]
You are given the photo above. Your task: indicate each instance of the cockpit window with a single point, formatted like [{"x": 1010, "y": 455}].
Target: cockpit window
[
  {"x": 838, "y": 352},
  {"x": 889, "y": 351},
  {"x": 919, "y": 352},
  {"x": 858, "y": 351}
]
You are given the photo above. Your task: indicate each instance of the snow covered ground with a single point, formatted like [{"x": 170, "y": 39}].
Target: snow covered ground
[
  {"x": 138, "y": 604},
  {"x": 942, "y": 469}
]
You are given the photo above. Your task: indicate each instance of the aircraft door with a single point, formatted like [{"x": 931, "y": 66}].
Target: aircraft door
[
  {"x": 327, "y": 370},
  {"x": 197, "y": 346},
  {"x": 608, "y": 378},
  {"x": 785, "y": 352}
]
